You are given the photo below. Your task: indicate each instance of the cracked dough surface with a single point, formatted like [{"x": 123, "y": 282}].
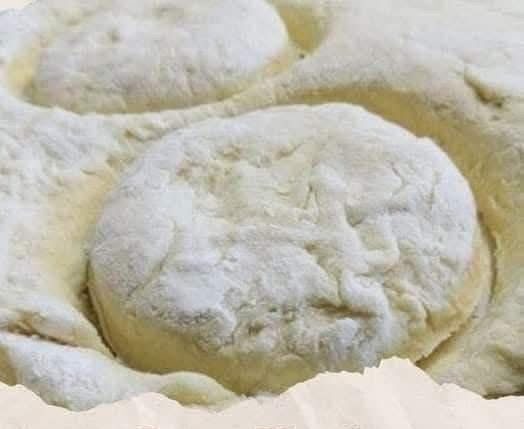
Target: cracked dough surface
[
  {"x": 267, "y": 248},
  {"x": 450, "y": 70}
]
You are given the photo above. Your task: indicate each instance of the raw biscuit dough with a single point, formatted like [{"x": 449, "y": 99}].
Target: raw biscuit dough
[
  {"x": 264, "y": 249},
  {"x": 136, "y": 56},
  {"x": 451, "y": 70}
]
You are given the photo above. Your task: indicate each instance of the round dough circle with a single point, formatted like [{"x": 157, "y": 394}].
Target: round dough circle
[
  {"x": 137, "y": 56},
  {"x": 264, "y": 249}
]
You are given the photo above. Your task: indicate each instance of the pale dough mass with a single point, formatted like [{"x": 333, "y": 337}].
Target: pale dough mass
[
  {"x": 170, "y": 205},
  {"x": 267, "y": 248},
  {"x": 144, "y": 56}
]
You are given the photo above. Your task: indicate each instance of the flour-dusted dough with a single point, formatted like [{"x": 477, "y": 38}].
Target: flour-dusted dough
[
  {"x": 79, "y": 378},
  {"x": 56, "y": 167},
  {"x": 451, "y": 70},
  {"x": 264, "y": 249},
  {"x": 136, "y": 56}
]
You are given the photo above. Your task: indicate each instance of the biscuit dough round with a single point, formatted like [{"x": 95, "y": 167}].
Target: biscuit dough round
[
  {"x": 264, "y": 249},
  {"x": 135, "y": 56}
]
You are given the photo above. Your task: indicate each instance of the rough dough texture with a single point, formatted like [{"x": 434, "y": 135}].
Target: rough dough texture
[
  {"x": 80, "y": 379},
  {"x": 136, "y": 56},
  {"x": 266, "y": 248},
  {"x": 451, "y": 70}
]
